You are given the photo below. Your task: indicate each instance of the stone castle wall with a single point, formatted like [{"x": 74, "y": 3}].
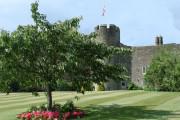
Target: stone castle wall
[
  {"x": 136, "y": 63},
  {"x": 142, "y": 57}
]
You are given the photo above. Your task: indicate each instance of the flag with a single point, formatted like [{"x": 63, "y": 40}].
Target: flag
[{"x": 103, "y": 11}]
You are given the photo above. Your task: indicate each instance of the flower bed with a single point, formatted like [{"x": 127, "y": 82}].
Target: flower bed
[
  {"x": 47, "y": 115},
  {"x": 58, "y": 112}
]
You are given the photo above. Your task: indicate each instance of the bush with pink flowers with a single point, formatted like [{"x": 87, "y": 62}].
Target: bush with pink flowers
[
  {"x": 58, "y": 112},
  {"x": 39, "y": 115}
]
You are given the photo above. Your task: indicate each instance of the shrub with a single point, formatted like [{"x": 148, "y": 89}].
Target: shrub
[
  {"x": 39, "y": 115},
  {"x": 14, "y": 86},
  {"x": 101, "y": 87},
  {"x": 164, "y": 72},
  {"x": 132, "y": 86},
  {"x": 64, "y": 86},
  {"x": 68, "y": 106},
  {"x": 59, "y": 112}
]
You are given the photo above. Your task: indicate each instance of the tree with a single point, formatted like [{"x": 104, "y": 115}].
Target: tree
[
  {"x": 164, "y": 71},
  {"x": 43, "y": 53}
]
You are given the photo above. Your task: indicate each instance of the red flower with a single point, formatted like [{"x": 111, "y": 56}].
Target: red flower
[
  {"x": 45, "y": 114},
  {"x": 66, "y": 115},
  {"x": 50, "y": 115},
  {"x": 56, "y": 115},
  {"x": 28, "y": 116},
  {"x": 23, "y": 115},
  {"x": 77, "y": 114},
  {"x": 37, "y": 114}
]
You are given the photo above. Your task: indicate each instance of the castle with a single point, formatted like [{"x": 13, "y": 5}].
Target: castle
[{"x": 137, "y": 62}]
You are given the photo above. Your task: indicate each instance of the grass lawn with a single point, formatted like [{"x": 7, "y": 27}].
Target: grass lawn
[{"x": 109, "y": 105}]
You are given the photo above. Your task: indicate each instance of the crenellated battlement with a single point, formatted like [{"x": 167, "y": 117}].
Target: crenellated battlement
[
  {"x": 107, "y": 27},
  {"x": 109, "y": 34}
]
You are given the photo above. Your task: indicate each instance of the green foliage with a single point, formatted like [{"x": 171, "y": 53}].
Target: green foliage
[
  {"x": 43, "y": 107},
  {"x": 132, "y": 86},
  {"x": 164, "y": 71},
  {"x": 63, "y": 85},
  {"x": 101, "y": 87},
  {"x": 68, "y": 106},
  {"x": 33, "y": 108},
  {"x": 14, "y": 86},
  {"x": 39, "y": 55}
]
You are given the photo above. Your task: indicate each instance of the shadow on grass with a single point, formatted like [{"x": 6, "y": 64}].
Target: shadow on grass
[{"x": 117, "y": 112}]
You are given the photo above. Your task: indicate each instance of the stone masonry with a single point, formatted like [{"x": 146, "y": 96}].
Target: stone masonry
[{"x": 137, "y": 63}]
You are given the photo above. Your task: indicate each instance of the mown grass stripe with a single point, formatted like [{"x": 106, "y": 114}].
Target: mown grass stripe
[
  {"x": 107, "y": 99},
  {"x": 131, "y": 99},
  {"x": 34, "y": 101},
  {"x": 11, "y": 102},
  {"x": 16, "y": 96},
  {"x": 150, "y": 101},
  {"x": 69, "y": 96},
  {"x": 9, "y": 97},
  {"x": 24, "y": 99},
  {"x": 172, "y": 104},
  {"x": 11, "y": 113},
  {"x": 54, "y": 93},
  {"x": 85, "y": 98},
  {"x": 157, "y": 100},
  {"x": 27, "y": 105}
]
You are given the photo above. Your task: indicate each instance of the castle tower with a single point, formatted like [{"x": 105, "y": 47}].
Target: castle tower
[{"x": 109, "y": 34}]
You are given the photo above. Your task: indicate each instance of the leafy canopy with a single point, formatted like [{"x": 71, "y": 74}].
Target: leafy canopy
[{"x": 43, "y": 53}]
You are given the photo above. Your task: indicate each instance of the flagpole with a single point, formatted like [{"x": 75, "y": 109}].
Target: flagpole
[{"x": 104, "y": 13}]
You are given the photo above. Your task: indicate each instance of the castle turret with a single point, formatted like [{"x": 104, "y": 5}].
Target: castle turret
[{"x": 108, "y": 34}]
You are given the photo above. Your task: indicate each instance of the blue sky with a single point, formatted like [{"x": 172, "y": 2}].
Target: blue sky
[{"x": 139, "y": 20}]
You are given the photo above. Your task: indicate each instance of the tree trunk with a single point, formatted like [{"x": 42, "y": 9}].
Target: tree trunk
[{"x": 49, "y": 97}]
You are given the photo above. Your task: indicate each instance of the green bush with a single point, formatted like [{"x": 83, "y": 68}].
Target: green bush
[
  {"x": 132, "y": 86},
  {"x": 41, "y": 107},
  {"x": 14, "y": 86},
  {"x": 164, "y": 72},
  {"x": 101, "y": 87},
  {"x": 68, "y": 106},
  {"x": 64, "y": 86}
]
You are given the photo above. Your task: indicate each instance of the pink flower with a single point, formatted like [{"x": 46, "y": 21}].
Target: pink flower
[
  {"x": 50, "y": 115},
  {"x": 56, "y": 115},
  {"x": 37, "y": 114},
  {"x": 75, "y": 114},
  {"x": 66, "y": 115},
  {"x": 23, "y": 115},
  {"x": 45, "y": 114},
  {"x": 28, "y": 116}
]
